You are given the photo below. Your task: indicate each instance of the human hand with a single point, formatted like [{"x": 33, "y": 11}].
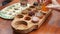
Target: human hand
[{"x": 54, "y": 5}]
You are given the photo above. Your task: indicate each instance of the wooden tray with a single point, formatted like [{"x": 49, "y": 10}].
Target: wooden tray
[
  {"x": 26, "y": 19},
  {"x": 11, "y": 11}
]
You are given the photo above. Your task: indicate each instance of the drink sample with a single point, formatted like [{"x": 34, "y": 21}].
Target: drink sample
[
  {"x": 41, "y": 1},
  {"x": 23, "y": 2}
]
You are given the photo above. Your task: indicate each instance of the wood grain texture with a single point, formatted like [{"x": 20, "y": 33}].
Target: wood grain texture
[{"x": 50, "y": 26}]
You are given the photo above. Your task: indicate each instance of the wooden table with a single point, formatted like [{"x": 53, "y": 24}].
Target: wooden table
[{"x": 50, "y": 26}]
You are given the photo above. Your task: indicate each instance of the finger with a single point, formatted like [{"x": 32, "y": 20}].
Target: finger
[{"x": 53, "y": 6}]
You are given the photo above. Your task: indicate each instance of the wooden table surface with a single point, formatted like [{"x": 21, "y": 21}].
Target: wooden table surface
[{"x": 50, "y": 26}]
